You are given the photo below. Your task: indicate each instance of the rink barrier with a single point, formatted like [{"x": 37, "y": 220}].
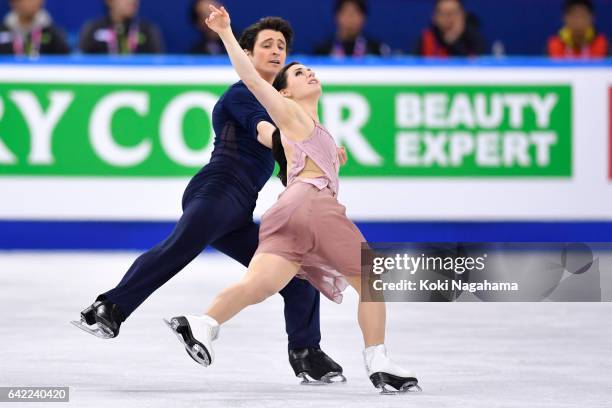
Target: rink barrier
[
  {"x": 117, "y": 151},
  {"x": 141, "y": 235}
]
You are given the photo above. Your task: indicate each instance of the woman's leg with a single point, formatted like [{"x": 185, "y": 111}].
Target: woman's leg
[
  {"x": 371, "y": 316},
  {"x": 267, "y": 274},
  {"x": 383, "y": 372}
]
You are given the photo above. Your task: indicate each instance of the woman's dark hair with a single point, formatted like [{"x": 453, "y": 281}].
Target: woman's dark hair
[
  {"x": 279, "y": 155},
  {"x": 280, "y": 80},
  {"x": 249, "y": 35},
  {"x": 280, "y": 83}
]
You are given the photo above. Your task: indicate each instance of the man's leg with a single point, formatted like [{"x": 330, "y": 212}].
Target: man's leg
[
  {"x": 204, "y": 218},
  {"x": 302, "y": 314},
  {"x": 201, "y": 222}
]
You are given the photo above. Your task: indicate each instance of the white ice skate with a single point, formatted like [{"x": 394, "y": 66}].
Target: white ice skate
[
  {"x": 386, "y": 375},
  {"x": 196, "y": 333}
]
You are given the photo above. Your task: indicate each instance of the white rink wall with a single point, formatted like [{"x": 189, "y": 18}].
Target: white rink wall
[{"x": 585, "y": 194}]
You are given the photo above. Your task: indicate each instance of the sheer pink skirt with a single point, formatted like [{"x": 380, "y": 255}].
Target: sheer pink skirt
[{"x": 310, "y": 227}]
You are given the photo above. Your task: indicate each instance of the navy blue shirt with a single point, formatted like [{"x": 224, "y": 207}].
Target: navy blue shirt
[{"x": 237, "y": 156}]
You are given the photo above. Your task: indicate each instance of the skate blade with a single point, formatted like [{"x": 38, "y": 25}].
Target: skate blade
[
  {"x": 329, "y": 378},
  {"x": 196, "y": 352},
  {"x": 408, "y": 387},
  {"x": 96, "y": 330}
]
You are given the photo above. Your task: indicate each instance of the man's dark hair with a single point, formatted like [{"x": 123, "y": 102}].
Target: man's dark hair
[
  {"x": 361, "y": 5},
  {"x": 570, "y": 4},
  {"x": 249, "y": 35},
  {"x": 280, "y": 83}
]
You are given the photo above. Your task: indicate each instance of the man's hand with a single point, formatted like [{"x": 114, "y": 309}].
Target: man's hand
[
  {"x": 264, "y": 133},
  {"x": 342, "y": 157}
]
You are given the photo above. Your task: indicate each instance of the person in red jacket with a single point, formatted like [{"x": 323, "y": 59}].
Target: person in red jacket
[{"x": 578, "y": 38}]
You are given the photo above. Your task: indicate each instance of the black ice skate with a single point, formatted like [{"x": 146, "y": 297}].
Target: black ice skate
[
  {"x": 386, "y": 375},
  {"x": 315, "y": 367},
  {"x": 102, "y": 319},
  {"x": 196, "y": 333}
]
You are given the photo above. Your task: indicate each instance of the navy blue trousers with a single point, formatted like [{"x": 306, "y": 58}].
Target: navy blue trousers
[{"x": 215, "y": 215}]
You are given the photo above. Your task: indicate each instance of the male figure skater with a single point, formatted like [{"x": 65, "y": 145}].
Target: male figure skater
[{"x": 218, "y": 209}]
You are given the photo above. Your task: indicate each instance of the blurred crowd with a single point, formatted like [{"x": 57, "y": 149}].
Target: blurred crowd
[{"x": 28, "y": 29}]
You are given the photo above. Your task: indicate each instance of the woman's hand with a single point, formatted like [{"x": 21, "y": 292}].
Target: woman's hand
[{"x": 218, "y": 20}]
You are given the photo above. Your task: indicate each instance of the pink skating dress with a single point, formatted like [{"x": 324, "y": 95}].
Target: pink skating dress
[{"x": 308, "y": 225}]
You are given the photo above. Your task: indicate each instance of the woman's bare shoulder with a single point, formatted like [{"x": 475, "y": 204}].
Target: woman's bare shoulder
[{"x": 302, "y": 127}]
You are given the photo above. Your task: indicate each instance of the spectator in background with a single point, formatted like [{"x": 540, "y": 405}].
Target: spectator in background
[
  {"x": 209, "y": 42},
  {"x": 350, "y": 39},
  {"x": 121, "y": 32},
  {"x": 28, "y": 30},
  {"x": 578, "y": 38},
  {"x": 452, "y": 32}
]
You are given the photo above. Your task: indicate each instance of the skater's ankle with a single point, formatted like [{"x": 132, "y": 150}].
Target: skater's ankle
[
  {"x": 377, "y": 349},
  {"x": 298, "y": 347},
  {"x": 206, "y": 322},
  {"x": 209, "y": 320}
]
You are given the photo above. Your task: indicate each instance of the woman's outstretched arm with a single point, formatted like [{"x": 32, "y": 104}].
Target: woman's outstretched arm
[{"x": 280, "y": 110}]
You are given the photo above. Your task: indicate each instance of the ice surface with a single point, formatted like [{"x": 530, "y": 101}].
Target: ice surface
[{"x": 486, "y": 355}]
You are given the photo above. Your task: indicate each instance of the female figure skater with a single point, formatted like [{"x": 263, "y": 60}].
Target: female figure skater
[{"x": 306, "y": 232}]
